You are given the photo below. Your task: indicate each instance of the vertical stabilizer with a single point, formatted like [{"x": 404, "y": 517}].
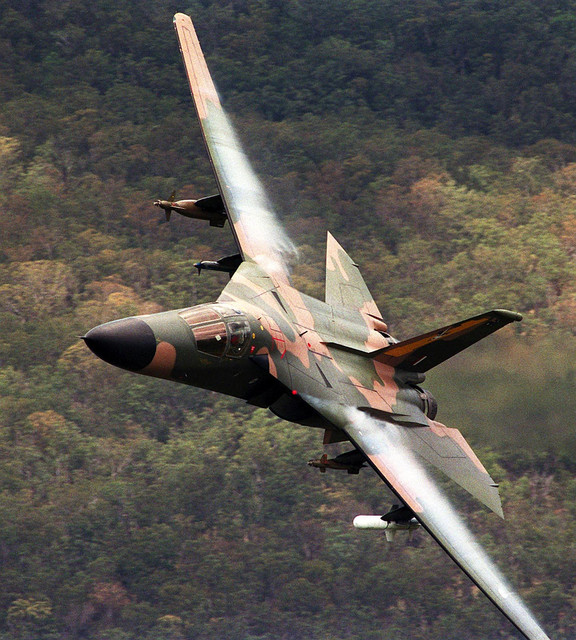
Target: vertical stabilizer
[{"x": 344, "y": 284}]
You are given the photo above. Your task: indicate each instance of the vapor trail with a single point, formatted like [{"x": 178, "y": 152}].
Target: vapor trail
[{"x": 386, "y": 443}]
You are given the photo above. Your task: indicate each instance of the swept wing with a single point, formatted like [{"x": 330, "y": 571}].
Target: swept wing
[
  {"x": 259, "y": 236},
  {"x": 389, "y": 450}
]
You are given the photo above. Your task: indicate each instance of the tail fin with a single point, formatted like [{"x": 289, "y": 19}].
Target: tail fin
[
  {"x": 426, "y": 351},
  {"x": 344, "y": 283}
]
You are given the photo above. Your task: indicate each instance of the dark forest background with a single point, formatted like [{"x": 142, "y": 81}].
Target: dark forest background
[{"x": 437, "y": 141}]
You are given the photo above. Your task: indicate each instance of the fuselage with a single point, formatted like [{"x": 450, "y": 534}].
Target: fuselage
[{"x": 262, "y": 352}]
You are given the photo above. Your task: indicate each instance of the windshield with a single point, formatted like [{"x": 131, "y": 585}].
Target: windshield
[
  {"x": 211, "y": 338},
  {"x": 218, "y": 330}
]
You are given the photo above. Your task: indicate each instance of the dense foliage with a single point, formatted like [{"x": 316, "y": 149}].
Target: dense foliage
[{"x": 437, "y": 141}]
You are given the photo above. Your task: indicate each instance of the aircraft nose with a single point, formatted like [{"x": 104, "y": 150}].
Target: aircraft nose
[{"x": 129, "y": 343}]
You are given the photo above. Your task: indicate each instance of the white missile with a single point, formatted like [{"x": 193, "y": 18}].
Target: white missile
[{"x": 376, "y": 522}]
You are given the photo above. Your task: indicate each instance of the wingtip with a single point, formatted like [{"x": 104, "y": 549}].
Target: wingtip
[
  {"x": 180, "y": 18},
  {"x": 499, "y": 511},
  {"x": 510, "y": 315},
  {"x": 493, "y": 500}
]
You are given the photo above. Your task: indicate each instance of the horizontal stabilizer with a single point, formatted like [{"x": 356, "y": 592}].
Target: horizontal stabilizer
[
  {"x": 430, "y": 349},
  {"x": 448, "y": 451}
]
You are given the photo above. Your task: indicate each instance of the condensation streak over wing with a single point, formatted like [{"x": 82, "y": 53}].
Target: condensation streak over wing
[
  {"x": 259, "y": 235},
  {"x": 389, "y": 453}
]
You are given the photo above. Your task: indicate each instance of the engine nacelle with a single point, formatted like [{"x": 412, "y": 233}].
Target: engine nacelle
[{"x": 430, "y": 404}]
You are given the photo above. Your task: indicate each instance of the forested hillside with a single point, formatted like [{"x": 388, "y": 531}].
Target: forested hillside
[{"x": 437, "y": 141}]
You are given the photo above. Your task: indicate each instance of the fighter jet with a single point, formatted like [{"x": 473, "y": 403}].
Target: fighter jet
[{"x": 329, "y": 363}]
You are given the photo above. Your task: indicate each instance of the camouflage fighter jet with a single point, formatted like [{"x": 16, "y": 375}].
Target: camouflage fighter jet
[{"x": 329, "y": 364}]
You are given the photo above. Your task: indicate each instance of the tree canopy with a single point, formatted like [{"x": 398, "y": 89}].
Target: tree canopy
[{"x": 437, "y": 141}]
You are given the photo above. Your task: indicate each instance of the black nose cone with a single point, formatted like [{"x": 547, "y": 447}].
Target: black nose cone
[{"x": 129, "y": 343}]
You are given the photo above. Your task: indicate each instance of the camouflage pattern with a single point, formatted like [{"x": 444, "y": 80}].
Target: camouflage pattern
[{"x": 329, "y": 364}]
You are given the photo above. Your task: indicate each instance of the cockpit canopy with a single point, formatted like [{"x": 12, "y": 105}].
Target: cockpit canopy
[{"x": 218, "y": 330}]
